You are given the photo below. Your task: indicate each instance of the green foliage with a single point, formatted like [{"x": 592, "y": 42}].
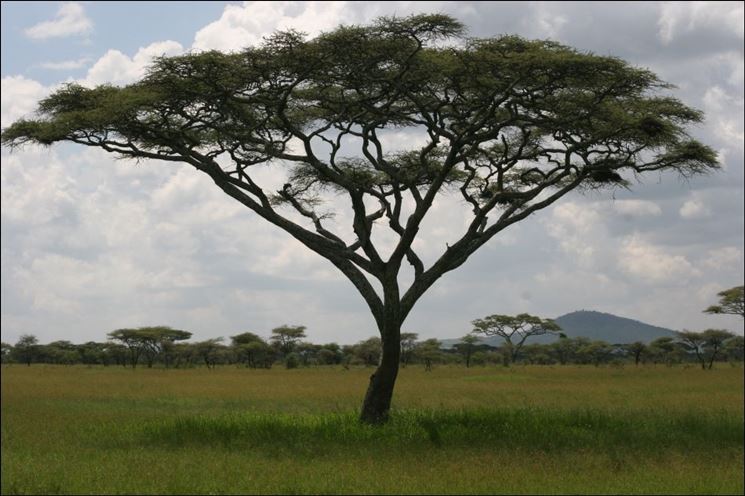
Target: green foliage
[
  {"x": 519, "y": 328},
  {"x": 286, "y": 337},
  {"x": 706, "y": 345},
  {"x": 26, "y": 349},
  {"x": 502, "y": 95},
  {"x": 365, "y": 352},
  {"x": 147, "y": 341},
  {"x": 292, "y": 361},
  {"x": 731, "y": 301}
]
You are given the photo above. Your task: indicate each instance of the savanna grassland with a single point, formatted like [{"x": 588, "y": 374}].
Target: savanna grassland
[{"x": 525, "y": 429}]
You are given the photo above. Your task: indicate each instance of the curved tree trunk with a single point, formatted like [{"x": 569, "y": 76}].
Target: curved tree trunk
[{"x": 379, "y": 393}]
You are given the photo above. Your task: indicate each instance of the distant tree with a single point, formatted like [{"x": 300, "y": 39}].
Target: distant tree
[
  {"x": 509, "y": 125},
  {"x": 306, "y": 352},
  {"x": 91, "y": 353},
  {"x": 6, "y": 352},
  {"x": 408, "y": 342},
  {"x": 209, "y": 351},
  {"x": 731, "y": 301},
  {"x": 286, "y": 337},
  {"x": 184, "y": 355},
  {"x": 252, "y": 350},
  {"x": 514, "y": 330},
  {"x": 563, "y": 349},
  {"x": 637, "y": 348},
  {"x": 595, "y": 352},
  {"x": 60, "y": 352},
  {"x": 367, "y": 352},
  {"x": 116, "y": 353},
  {"x": 330, "y": 354},
  {"x": 714, "y": 342},
  {"x": 466, "y": 347},
  {"x": 428, "y": 352},
  {"x": 706, "y": 345},
  {"x": 292, "y": 360},
  {"x": 132, "y": 340},
  {"x": 694, "y": 342},
  {"x": 159, "y": 339},
  {"x": 735, "y": 349},
  {"x": 26, "y": 349},
  {"x": 147, "y": 341},
  {"x": 662, "y": 349},
  {"x": 537, "y": 354}
]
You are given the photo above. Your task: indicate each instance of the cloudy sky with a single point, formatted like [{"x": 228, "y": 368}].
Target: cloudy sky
[{"x": 91, "y": 244}]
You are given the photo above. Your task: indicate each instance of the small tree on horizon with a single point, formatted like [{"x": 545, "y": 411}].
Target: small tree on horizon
[
  {"x": 466, "y": 347},
  {"x": 286, "y": 337},
  {"x": 148, "y": 341},
  {"x": 706, "y": 345},
  {"x": 408, "y": 343},
  {"x": 26, "y": 348},
  {"x": 507, "y": 125},
  {"x": 514, "y": 330}
]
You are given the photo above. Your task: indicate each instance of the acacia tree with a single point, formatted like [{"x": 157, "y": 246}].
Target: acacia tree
[
  {"x": 637, "y": 348},
  {"x": 466, "y": 346},
  {"x": 707, "y": 345},
  {"x": 408, "y": 343},
  {"x": 286, "y": 337},
  {"x": 147, "y": 341},
  {"x": 731, "y": 301},
  {"x": 26, "y": 349},
  {"x": 507, "y": 125},
  {"x": 514, "y": 330}
]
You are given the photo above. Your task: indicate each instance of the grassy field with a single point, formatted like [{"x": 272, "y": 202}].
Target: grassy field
[{"x": 455, "y": 430}]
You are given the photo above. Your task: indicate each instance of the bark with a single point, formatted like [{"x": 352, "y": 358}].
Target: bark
[{"x": 377, "y": 402}]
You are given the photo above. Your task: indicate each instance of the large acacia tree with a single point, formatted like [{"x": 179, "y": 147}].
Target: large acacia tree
[{"x": 507, "y": 125}]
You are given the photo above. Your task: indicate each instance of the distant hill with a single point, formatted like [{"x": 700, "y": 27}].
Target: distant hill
[
  {"x": 594, "y": 326},
  {"x": 610, "y": 328}
]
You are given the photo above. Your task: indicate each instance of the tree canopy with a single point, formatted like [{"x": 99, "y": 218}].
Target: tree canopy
[
  {"x": 506, "y": 124},
  {"x": 731, "y": 301},
  {"x": 514, "y": 330}
]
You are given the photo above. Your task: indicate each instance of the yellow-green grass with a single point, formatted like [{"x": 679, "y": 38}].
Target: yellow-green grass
[{"x": 454, "y": 430}]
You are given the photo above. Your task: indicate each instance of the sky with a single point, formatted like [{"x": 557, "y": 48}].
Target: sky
[{"x": 91, "y": 244}]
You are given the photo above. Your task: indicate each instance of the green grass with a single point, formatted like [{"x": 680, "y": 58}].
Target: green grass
[{"x": 484, "y": 430}]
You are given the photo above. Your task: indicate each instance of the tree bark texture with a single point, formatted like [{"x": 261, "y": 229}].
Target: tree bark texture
[{"x": 379, "y": 393}]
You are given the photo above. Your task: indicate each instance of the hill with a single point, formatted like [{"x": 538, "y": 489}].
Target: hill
[{"x": 594, "y": 326}]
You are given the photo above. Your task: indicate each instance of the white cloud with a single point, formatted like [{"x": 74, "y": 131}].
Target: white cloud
[
  {"x": 65, "y": 64},
  {"x": 572, "y": 224},
  {"x": 637, "y": 208},
  {"x": 651, "y": 264},
  {"x": 545, "y": 21},
  {"x": 727, "y": 257},
  {"x": 34, "y": 196},
  {"x": 70, "y": 20},
  {"x": 19, "y": 97},
  {"x": 677, "y": 18},
  {"x": 725, "y": 113},
  {"x": 695, "y": 208},
  {"x": 117, "y": 68},
  {"x": 242, "y": 26}
]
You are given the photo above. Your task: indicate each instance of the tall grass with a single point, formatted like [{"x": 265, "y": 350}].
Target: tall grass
[
  {"x": 523, "y": 428},
  {"x": 646, "y": 430}
]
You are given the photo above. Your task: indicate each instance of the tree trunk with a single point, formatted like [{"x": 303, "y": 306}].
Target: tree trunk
[{"x": 377, "y": 401}]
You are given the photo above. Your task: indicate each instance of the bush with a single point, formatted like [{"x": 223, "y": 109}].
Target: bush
[{"x": 292, "y": 361}]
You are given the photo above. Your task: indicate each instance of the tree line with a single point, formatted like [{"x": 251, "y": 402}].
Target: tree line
[
  {"x": 163, "y": 346},
  {"x": 167, "y": 347}
]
